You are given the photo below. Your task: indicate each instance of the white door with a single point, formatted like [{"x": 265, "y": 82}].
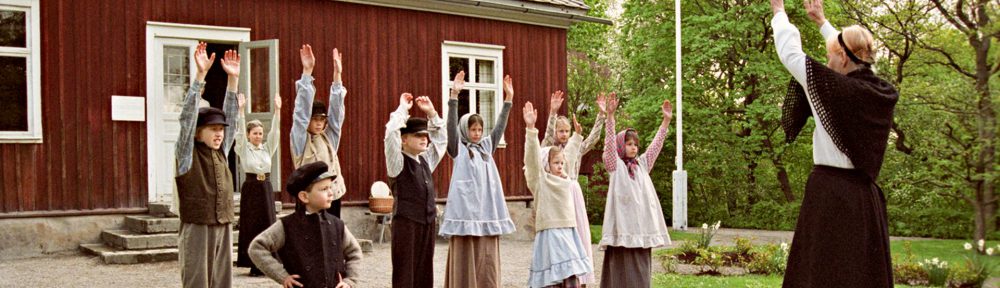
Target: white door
[
  {"x": 169, "y": 72},
  {"x": 176, "y": 71}
]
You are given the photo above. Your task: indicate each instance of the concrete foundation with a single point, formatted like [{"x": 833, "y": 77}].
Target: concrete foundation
[{"x": 33, "y": 237}]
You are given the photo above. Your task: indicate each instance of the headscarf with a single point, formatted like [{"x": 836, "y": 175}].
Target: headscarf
[
  {"x": 631, "y": 163},
  {"x": 463, "y": 129}
]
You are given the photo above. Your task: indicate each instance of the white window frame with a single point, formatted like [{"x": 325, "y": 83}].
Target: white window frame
[
  {"x": 32, "y": 53},
  {"x": 473, "y": 51}
]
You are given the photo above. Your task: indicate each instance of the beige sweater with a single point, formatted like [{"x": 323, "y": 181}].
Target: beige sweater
[
  {"x": 267, "y": 243},
  {"x": 553, "y": 199}
]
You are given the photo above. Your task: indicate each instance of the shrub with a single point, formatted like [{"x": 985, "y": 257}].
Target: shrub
[{"x": 769, "y": 259}]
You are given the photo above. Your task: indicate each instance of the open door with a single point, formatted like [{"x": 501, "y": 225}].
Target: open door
[{"x": 259, "y": 83}]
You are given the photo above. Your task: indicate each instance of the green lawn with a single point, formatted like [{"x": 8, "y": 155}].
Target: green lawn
[
  {"x": 945, "y": 250},
  {"x": 595, "y": 234}
]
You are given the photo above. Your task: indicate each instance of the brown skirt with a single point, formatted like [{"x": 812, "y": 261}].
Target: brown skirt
[
  {"x": 473, "y": 262},
  {"x": 842, "y": 237},
  {"x": 256, "y": 214},
  {"x": 626, "y": 267}
]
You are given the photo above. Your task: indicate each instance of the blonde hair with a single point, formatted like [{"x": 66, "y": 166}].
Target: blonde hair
[
  {"x": 564, "y": 121},
  {"x": 554, "y": 151},
  {"x": 858, "y": 39}
]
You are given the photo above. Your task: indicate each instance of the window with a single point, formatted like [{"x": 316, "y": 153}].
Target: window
[
  {"x": 20, "y": 95},
  {"x": 483, "y": 92}
]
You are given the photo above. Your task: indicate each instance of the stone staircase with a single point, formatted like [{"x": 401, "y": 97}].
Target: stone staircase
[{"x": 147, "y": 238}]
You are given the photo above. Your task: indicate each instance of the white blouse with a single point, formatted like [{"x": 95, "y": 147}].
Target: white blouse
[
  {"x": 256, "y": 158},
  {"x": 789, "y": 47}
]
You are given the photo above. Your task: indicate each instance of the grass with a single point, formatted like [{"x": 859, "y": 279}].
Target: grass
[
  {"x": 945, "y": 250},
  {"x": 595, "y": 234}
]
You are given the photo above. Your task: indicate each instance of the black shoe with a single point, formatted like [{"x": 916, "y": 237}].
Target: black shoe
[{"x": 256, "y": 273}]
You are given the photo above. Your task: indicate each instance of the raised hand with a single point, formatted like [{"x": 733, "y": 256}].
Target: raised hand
[
  {"x": 458, "y": 84},
  {"x": 778, "y": 6},
  {"x": 424, "y": 103},
  {"x": 202, "y": 60},
  {"x": 508, "y": 88},
  {"x": 241, "y": 101},
  {"x": 576, "y": 125},
  {"x": 556, "y": 101},
  {"x": 611, "y": 104},
  {"x": 231, "y": 63},
  {"x": 814, "y": 9},
  {"x": 530, "y": 115},
  {"x": 406, "y": 100},
  {"x": 668, "y": 110},
  {"x": 308, "y": 59},
  {"x": 338, "y": 65},
  {"x": 602, "y": 103},
  {"x": 277, "y": 103}
]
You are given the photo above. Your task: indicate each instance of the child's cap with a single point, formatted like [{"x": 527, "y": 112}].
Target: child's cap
[
  {"x": 211, "y": 115},
  {"x": 319, "y": 109},
  {"x": 417, "y": 125},
  {"x": 307, "y": 174}
]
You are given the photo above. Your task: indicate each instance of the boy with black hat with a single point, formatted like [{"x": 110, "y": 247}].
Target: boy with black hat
[
  {"x": 298, "y": 240},
  {"x": 315, "y": 133},
  {"x": 204, "y": 183},
  {"x": 413, "y": 227}
]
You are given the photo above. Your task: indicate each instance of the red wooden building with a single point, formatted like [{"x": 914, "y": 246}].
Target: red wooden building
[{"x": 62, "y": 64}]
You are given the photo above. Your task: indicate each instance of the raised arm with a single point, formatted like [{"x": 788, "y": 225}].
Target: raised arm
[
  {"x": 274, "y": 134},
  {"x": 814, "y": 9},
  {"x": 788, "y": 43},
  {"x": 555, "y": 101},
  {"x": 595, "y": 134},
  {"x": 231, "y": 64},
  {"x": 241, "y": 128},
  {"x": 304, "y": 95},
  {"x": 661, "y": 134},
  {"x": 336, "y": 109},
  {"x": 501, "y": 121},
  {"x": 532, "y": 172},
  {"x": 393, "y": 140},
  {"x": 608, "y": 106},
  {"x": 189, "y": 111},
  {"x": 435, "y": 126},
  {"x": 456, "y": 88}
]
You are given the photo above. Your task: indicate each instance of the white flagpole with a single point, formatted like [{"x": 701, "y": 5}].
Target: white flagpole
[{"x": 680, "y": 176}]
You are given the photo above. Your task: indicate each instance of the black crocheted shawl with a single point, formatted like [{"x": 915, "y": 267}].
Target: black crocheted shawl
[{"x": 856, "y": 109}]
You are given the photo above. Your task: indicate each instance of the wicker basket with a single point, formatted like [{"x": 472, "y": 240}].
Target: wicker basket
[{"x": 380, "y": 205}]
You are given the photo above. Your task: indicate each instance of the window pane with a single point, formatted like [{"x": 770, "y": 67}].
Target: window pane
[
  {"x": 13, "y": 94},
  {"x": 484, "y": 71},
  {"x": 486, "y": 108},
  {"x": 463, "y": 103},
  {"x": 260, "y": 101},
  {"x": 13, "y": 29},
  {"x": 456, "y": 65},
  {"x": 176, "y": 77}
]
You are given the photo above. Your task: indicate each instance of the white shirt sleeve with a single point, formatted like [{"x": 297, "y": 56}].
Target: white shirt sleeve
[
  {"x": 788, "y": 43},
  {"x": 394, "y": 141}
]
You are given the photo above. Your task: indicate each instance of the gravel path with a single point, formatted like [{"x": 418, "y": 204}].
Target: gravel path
[{"x": 79, "y": 270}]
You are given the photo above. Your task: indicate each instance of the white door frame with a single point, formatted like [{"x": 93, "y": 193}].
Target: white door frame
[{"x": 154, "y": 81}]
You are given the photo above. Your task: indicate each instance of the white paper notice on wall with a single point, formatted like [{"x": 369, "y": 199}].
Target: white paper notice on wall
[{"x": 128, "y": 108}]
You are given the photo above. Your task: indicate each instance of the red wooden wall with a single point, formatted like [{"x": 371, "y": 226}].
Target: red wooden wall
[{"x": 94, "y": 49}]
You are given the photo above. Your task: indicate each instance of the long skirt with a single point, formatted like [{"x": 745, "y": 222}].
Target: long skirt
[
  {"x": 842, "y": 237},
  {"x": 412, "y": 253},
  {"x": 256, "y": 214},
  {"x": 473, "y": 262},
  {"x": 626, "y": 267},
  {"x": 558, "y": 254}
]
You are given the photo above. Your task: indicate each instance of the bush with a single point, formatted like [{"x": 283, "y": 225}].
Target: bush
[
  {"x": 769, "y": 260},
  {"x": 906, "y": 270},
  {"x": 929, "y": 222},
  {"x": 768, "y": 215}
]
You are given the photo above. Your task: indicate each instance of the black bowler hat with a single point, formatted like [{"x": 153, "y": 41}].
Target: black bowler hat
[
  {"x": 211, "y": 115},
  {"x": 417, "y": 125},
  {"x": 319, "y": 109},
  {"x": 307, "y": 174}
]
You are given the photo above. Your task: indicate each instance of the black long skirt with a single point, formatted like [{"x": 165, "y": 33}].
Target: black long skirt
[
  {"x": 842, "y": 236},
  {"x": 256, "y": 214}
]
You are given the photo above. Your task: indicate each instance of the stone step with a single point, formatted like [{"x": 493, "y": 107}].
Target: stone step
[
  {"x": 148, "y": 224},
  {"x": 130, "y": 240},
  {"x": 111, "y": 255}
]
